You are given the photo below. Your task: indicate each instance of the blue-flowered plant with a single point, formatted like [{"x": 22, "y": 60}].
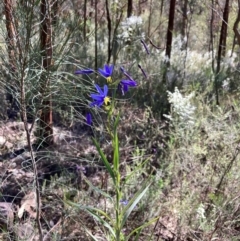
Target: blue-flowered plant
[
  {"x": 123, "y": 207},
  {"x": 100, "y": 98},
  {"x": 107, "y": 72},
  {"x": 84, "y": 71},
  {"x": 125, "y": 84},
  {"x": 89, "y": 119}
]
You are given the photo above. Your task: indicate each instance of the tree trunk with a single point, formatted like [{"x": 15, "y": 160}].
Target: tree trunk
[
  {"x": 169, "y": 84},
  {"x": 222, "y": 46},
  {"x": 161, "y": 8},
  {"x": 223, "y": 35},
  {"x": 170, "y": 28},
  {"x": 150, "y": 18},
  {"x": 130, "y": 8},
  {"x": 11, "y": 34},
  {"x": 184, "y": 18},
  {"x": 211, "y": 42},
  {"x": 109, "y": 24},
  {"x": 95, "y": 35},
  {"x": 11, "y": 40},
  {"x": 46, "y": 123},
  {"x": 85, "y": 20},
  {"x": 235, "y": 28}
]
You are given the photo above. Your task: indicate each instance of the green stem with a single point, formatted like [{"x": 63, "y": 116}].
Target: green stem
[{"x": 112, "y": 130}]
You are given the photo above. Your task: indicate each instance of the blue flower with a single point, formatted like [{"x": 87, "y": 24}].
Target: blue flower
[
  {"x": 143, "y": 71},
  {"x": 89, "y": 119},
  {"x": 122, "y": 69},
  {"x": 100, "y": 98},
  {"x": 125, "y": 84},
  {"x": 84, "y": 71},
  {"x": 126, "y": 73},
  {"x": 145, "y": 46},
  {"x": 107, "y": 72},
  {"x": 124, "y": 202}
]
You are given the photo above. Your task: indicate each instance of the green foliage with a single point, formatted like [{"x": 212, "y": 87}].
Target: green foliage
[
  {"x": 186, "y": 175},
  {"x": 116, "y": 224}
]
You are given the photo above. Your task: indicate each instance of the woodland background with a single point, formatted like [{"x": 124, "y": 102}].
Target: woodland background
[{"x": 179, "y": 127}]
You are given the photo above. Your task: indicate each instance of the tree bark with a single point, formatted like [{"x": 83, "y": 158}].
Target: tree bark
[
  {"x": 221, "y": 47},
  {"x": 211, "y": 42},
  {"x": 150, "y": 18},
  {"x": 223, "y": 35},
  {"x": 184, "y": 18},
  {"x": 235, "y": 28},
  {"x": 85, "y": 20},
  {"x": 130, "y": 8},
  {"x": 46, "y": 122},
  {"x": 11, "y": 33},
  {"x": 170, "y": 28},
  {"x": 169, "y": 86},
  {"x": 109, "y": 24},
  {"x": 161, "y": 8},
  {"x": 13, "y": 57},
  {"x": 95, "y": 35}
]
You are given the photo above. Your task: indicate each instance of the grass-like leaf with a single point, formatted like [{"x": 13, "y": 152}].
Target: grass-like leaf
[
  {"x": 116, "y": 151},
  {"x": 105, "y": 161},
  {"x": 97, "y": 189},
  {"x": 87, "y": 208},
  {"x": 137, "y": 168},
  {"x": 101, "y": 220},
  {"x": 90, "y": 234},
  {"x": 140, "y": 228},
  {"x": 94, "y": 212},
  {"x": 132, "y": 204}
]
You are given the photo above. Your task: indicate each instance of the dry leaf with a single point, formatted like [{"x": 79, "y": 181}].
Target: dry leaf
[
  {"x": 25, "y": 231},
  {"x": 28, "y": 204},
  {"x": 6, "y": 214}
]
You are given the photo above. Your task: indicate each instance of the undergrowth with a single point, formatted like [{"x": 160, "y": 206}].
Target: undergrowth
[{"x": 160, "y": 162}]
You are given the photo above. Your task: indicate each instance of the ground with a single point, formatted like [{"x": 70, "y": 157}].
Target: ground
[{"x": 69, "y": 170}]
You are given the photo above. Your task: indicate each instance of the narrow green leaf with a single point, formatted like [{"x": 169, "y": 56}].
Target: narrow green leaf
[
  {"x": 116, "y": 152},
  {"x": 102, "y": 221},
  {"x": 140, "y": 228},
  {"x": 116, "y": 146},
  {"x": 138, "y": 232},
  {"x": 97, "y": 189},
  {"x": 137, "y": 168},
  {"x": 93, "y": 212},
  {"x": 105, "y": 161},
  {"x": 116, "y": 123},
  {"x": 93, "y": 237},
  {"x": 132, "y": 204},
  {"x": 87, "y": 208}
]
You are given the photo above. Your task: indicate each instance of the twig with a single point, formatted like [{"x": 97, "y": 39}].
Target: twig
[
  {"x": 227, "y": 170},
  {"x": 167, "y": 229},
  {"x": 155, "y": 46},
  {"x": 27, "y": 130},
  {"x": 37, "y": 186},
  {"x": 51, "y": 230}
]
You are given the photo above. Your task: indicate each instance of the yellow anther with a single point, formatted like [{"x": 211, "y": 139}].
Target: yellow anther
[
  {"x": 107, "y": 100},
  {"x": 109, "y": 79}
]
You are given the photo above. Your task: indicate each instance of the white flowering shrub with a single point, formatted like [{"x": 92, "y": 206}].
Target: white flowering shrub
[
  {"x": 132, "y": 21},
  {"x": 129, "y": 28},
  {"x": 194, "y": 65},
  {"x": 226, "y": 84},
  {"x": 201, "y": 212},
  {"x": 230, "y": 61},
  {"x": 181, "y": 108}
]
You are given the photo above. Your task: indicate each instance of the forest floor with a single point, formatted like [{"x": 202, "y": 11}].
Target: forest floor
[{"x": 69, "y": 170}]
